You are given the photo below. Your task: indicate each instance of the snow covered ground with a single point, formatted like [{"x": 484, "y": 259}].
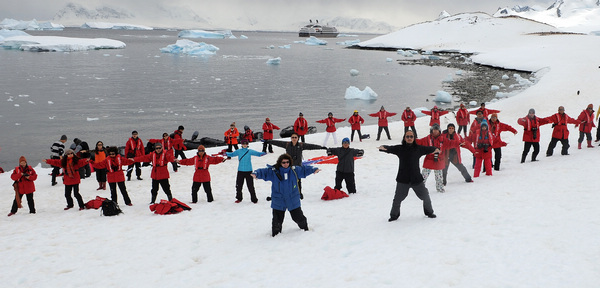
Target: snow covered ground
[{"x": 530, "y": 225}]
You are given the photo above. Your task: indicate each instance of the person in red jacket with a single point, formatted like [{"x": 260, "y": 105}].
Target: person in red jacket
[
  {"x": 496, "y": 127},
  {"x": 483, "y": 141},
  {"x": 202, "y": 177},
  {"x": 134, "y": 148},
  {"x": 355, "y": 120},
  {"x": 486, "y": 112},
  {"x": 586, "y": 118},
  {"x": 330, "y": 123},
  {"x": 409, "y": 117},
  {"x": 115, "y": 176},
  {"x": 23, "y": 175},
  {"x": 452, "y": 155},
  {"x": 168, "y": 145},
  {"x": 160, "y": 173},
  {"x": 531, "y": 134},
  {"x": 178, "y": 145},
  {"x": 382, "y": 115},
  {"x": 248, "y": 134},
  {"x": 301, "y": 126},
  {"x": 436, "y": 161},
  {"x": 231, "y": 138},
  {"x": 268, "y": 128},
  {"x": 435, "y": 114},
  {"x": 70, "y": 163},
  {"x": 560, "y": 132},
  {"x": 463, "y": 119}
]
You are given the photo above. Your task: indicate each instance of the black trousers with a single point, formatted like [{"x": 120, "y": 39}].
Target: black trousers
[
  {"x": 302, "y": 138},
  {"x": 387, "y": 131},
  {"x": 30, "y": 203},
  {"x": 565, "y": 146},
  {"x": 588, "y": 136},
  {"x": 406, "y": 128},
  {"x": 166, "y": 187},
  {"x": 297, "y": 216},
  {"x": 113, "y": 192},
  {"x": 265, "y": 144},
  {"x": 239, "y": 184},
  {"x": 75, "y": 189},
  {"x": 497, "y": 158},
  {"x": 527, "y": 147},
  {"x": 138, "y": 170},
  {"x": 462, "y": 128},
  {"x": 207, "y": 189},
  {"x": 348, "y": 178},
  {"x": 101, "y": 175},
  {"x": 402, "y": 192},
  {"x": 231, "y": 146},
  {"x": 85, "y": 171},
  {"x": 352, "y": 135}
]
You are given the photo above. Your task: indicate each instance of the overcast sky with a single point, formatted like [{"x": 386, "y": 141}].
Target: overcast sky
[{"x": 395, "y": 12}]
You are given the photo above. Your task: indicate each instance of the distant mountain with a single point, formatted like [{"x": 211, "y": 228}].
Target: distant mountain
[
  {"x": 568, "y": 15},
  {"x": 73, "y": 11},
  {"x": 363, "y": 25}
]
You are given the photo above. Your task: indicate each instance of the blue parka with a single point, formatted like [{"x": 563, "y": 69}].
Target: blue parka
[
  {"x": 284, "y": 192},
  {"x": 244, "y": 155}
]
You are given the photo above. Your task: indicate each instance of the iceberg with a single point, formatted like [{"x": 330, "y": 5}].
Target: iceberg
[
  {"x": 274, "y": 61},
  {"x": 189, "y": 47},
  {"x": 355, "y": 93},
  {"x": 312, "y": 40},
  {"x": 442, "y": 96},
  {"x": 4, "y": 33},
  {"x": 59, "y": 44},
  {"x": 354, "y": 72},
  {"x": 205, "y": 34},
  {"x": 13, "y": 24},
  {"x": 116, "y": 26}
]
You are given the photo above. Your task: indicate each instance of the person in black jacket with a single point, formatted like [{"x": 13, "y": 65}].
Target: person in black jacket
[
  {"x": 409, "y": 173},
  {"x": 345, "y": 166},
  {"x": 294, "y": 148}
]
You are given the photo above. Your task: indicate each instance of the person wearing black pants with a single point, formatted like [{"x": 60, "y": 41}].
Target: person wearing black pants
[
  {"x": 166, "y": 187},
  {"x": 345, "y": 167},
  {"x": 297, "y": 216},
  {"x": 453, "y": 156},
  {"x": 75, "y": 190},
  {"x": 57, "y": 150},
  {"x": 531, "y": 134},
  {"x": 207, "y": 189},
  {"x": 239, "y": 184},
  {"x": 123, "y": 188}
]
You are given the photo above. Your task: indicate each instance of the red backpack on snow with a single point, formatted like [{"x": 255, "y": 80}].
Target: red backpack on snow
[
  {"x": 95, "y": 203},
  {"x": 332, "y": 194}
]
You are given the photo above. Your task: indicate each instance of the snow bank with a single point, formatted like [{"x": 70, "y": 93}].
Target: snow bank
[
  {"x": 59, "y": 44},
  {"x": 189, "y": 47},
  {"x": 13, "y": 24},
  {"x": 355, "y": 93}
]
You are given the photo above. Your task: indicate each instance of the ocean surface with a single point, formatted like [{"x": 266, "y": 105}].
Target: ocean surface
[{"x": 105, "y": 94}]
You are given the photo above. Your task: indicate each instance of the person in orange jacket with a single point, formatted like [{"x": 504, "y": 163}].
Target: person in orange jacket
[
  {"x": 382, "y": 123},
  {"x": 23, "y": 175},
  {"x": 70, "y": 163},
  {"x": 231, "y": 138},
  {"x": 330, "y": 123},
  {"x": 113, "y": 164},
  {"x": 268, "y": 128},
  {"x": 355, "y": 120},
  {"x": 201, "y": 177},
  {"x": 160, "y": 173},
  {"x": 586, "y": 118},
  {"x": 435, "y": 114}
]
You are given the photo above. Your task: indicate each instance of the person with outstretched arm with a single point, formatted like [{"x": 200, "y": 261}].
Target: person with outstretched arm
[{"x": 409, "y": 173}]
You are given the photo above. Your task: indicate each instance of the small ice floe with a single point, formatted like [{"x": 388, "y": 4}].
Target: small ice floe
[
  {"x": 92, "y": 119},
  {"x": 274, "y": 61},
  {"x": 17, "y": 105},
  {"x": 495, "y": 87},
  {"x": 312, "y": 40},
  {"x": 443, "y": 96},
  {"x": 23, "y": 95},
  {"x": 31, "y": 102},
  {"x": 389, "y": 59},
  {"x": 288, "y": 46},
  {"x": 354, "y": 72},
  {"x": 505, "y": 77},
  {"x": 50, "y": 102},
  {"x": 355, "y": 93},
  {"x": 473, "y": 103},
  {"x": 243, "y": 37}
]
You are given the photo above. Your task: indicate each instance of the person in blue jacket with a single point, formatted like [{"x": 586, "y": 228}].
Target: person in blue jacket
[
  {"x": 245, "y": 170},
  {"x": 284, "y": 190}
]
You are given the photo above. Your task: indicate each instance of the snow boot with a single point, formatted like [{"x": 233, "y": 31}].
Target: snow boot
[
  {"x": 579, "y": 145},
  {"x": 590, "y": 144}
]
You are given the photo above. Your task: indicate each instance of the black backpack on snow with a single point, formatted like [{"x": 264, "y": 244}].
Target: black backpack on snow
[{"x": 110, "y": 208}]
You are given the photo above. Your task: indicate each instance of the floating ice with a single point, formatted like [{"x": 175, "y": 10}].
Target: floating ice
[
  {"x": 50, "y": 102},
  {"x": 312, "y": 40},
  {"x": 205, "y": 34},
  {"x": 29, "y": 25},
  {"x": 428, "y": 52},
  {"x": 459, "y": 72},
  {"x": 473, "y": 103},
  {"x": 355, "y": 93},
  {"x": 92, "y": 119},
  {"x": 505, "y": 77},
  {"x": 443, "y": 96},
  {"x": 353, "y": 72},
  {"x": 348, "y": 42},
  {"x": 274, "y": 61},
  {"x": 448, "y": 78},
  {"x": 243, "y": 37},
  {"x": 389, "y": 59},
  {"x": 11, "y": 33},
  {"x": 288, "y": 46},
  {"x": 189, "y": 47},
  {"x": 495, "y": 87},
  {"x": 59, "y": 44},
  {"x": 116, "y": 26}
]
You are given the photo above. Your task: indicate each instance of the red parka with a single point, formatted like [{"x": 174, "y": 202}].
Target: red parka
[
  {"x": 496, "y": 128},
  {"x": 382, "y": 116},
  {"x": 301, "y": 126},
  {"x": 560, "y": 122},
  {"x": 25, "y": 185},
  {"x": 586, "y": 120},
  {"x": 435, "y": 115},
  {"x": 460, "y": 140},
  {"x": 482, "y": 141},
  {"x": 330, "y": 123},
  {"x": 167, "y": 144},
  {"x": 441, "y": 142},
  {"x": 532, "y": 128},
  {"x": 231, "y": 136},
  {"x": 355, "y": 121},
  {"x": 134, "y": 147},
  {"x": 159, "y": 164},
  {"x": 463, "y": 117},
  {"x": 74, "y": 178},
  {"x": 486, "y": 112},
  {"x": 268, "y": 128},
  {"x": 201, "y": 165},
  {"x": 178, "y": 140},
  {"x": 114, "y": 167},
  {"x": 409, "y": 118}
]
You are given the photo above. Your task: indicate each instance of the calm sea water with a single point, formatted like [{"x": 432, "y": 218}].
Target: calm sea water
[{"x": 105, "y": 94}]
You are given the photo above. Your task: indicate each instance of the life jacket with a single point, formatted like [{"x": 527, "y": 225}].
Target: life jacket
[
  {"x": 95, "y": 203},
  {"x": 114, "y": 164},
  {"x": 159, "y": 161},
  {"x": 532, "y": 123}
]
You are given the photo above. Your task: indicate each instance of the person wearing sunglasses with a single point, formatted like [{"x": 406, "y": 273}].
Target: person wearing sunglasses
[
  {"x": 285, "y": 195},
  {"x": 113, "y": 164},
  {"x": 201, "y": 175},
  {"x": 160, "y": 174},
  {"x": 409, "y": 174},
  {"x": 70, "y": 163},
  {"x": 586, "y": 119}
]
